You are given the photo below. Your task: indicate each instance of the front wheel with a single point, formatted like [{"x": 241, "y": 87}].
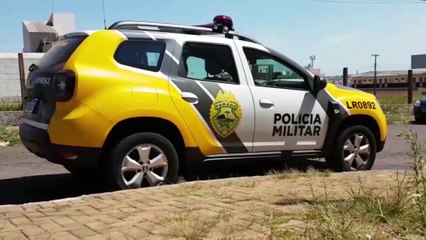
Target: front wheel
[
  {"x": 355, "y": 150},
  {"x": 142, "y": 160}
]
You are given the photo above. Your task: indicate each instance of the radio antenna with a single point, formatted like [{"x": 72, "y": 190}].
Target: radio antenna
[
  {"x": 53, "y": 6},
  {"x": 103, "y": 9}
]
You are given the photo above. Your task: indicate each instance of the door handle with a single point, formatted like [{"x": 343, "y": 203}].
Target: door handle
[
  {"x": 189, "y": 97},
  {"x": 266, "y": 103}
]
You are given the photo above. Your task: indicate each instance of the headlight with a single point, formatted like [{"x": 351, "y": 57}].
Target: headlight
[{"x": 417, "y": 103}]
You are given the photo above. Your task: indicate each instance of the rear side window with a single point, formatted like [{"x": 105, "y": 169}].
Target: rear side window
[
  {"x": 147, "y": 55},
  {"x": 60, "y": 52}
]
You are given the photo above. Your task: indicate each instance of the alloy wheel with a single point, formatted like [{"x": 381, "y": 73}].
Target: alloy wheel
[
  {"x": 356, "y": 151},
  {"x": 144, "y": 165}
]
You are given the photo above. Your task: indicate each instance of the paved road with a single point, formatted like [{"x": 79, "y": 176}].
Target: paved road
[{"x": 26, "y": 178}]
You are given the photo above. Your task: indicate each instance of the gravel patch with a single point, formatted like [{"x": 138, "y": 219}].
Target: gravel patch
[{"x": 10, "y": 118}]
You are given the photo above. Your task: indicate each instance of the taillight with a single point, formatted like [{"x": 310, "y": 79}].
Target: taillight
[{"x": 64, "y": 83}]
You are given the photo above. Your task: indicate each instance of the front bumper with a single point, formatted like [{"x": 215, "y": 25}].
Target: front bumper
[{"x": 37, "y": 141}]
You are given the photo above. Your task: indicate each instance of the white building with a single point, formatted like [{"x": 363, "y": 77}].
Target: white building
[{"x": 38, "y": 36}]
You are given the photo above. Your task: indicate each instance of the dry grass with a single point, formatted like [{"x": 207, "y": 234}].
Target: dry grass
[
  {"x": 397, "y": 212},
  {"x": 190, "y": 224},
  {"x": 10, "y": 106},
  {"x": 398, "y": 113},
  {"x": 400, "y": 99},
  {"x": 293, "y": 174}
]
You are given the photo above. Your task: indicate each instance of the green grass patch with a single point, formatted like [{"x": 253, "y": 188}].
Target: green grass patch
[
  {"x": 398, "y": 113},
  {"x": 10, "y": 106},
  {"x": 398, "y": 99},
  {"x": 8, "y": 135}
]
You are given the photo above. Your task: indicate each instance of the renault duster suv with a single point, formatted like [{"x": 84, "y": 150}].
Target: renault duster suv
[{"x": 146, "y": 101}]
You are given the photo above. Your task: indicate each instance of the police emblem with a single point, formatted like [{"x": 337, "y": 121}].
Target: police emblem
[{"x": 225, "y": 113}]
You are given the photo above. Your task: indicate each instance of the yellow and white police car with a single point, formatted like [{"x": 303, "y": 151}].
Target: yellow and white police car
[{"x": 146, "y": 101}]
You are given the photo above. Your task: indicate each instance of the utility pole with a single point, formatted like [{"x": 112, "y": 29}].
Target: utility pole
[
  {"x": 345, "y": 76},
  {"x": 410, "y": 87},
  {"x": 375, "y": 72}
]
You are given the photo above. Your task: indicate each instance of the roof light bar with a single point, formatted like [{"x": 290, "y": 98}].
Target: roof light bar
[{"x": 221, "y": 24}]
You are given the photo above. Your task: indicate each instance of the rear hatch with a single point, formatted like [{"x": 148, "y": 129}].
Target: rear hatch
[{"x": 47, "y": 80}]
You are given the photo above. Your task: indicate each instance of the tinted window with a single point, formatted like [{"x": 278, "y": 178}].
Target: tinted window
[
  {"x": 269, "y": 71},
  {"x": 146, "y": 55},
  {"x": 60, "y": 52},
  {"x": 208, "y": 62}
]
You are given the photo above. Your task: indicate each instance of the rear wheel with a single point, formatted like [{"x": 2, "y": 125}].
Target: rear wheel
[
  {"x": 142, "y": 160},
  {"x": 355, "y": 150}
]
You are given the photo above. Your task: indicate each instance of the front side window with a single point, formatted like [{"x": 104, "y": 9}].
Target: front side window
[
  {"x": 147, "y": 55},
  {"x": 269, "y": 71},
  {"x": 208, "y": 62}
]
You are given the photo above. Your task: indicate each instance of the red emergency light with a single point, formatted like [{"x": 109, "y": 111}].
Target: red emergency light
[{"x": 221, "y": 24}]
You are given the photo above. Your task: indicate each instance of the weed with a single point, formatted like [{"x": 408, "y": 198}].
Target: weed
[
  {"x": 193, "y": 224},
  {"x": 397, "y": 113},
  {"x": 241, "y": 184},
  {"x": 185, "y": 190},
  {"x": 384, "y": 208},
  {"x": 417, "y": 181},
  {"x": 9, "y": 136},
  {"x": 272, "y": 221},
  {"x": 395, "y": 212},
  {"x": 292, "y": 174}
]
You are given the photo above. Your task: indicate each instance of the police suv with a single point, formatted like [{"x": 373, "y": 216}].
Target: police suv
[{"x": 145, "y": 102}]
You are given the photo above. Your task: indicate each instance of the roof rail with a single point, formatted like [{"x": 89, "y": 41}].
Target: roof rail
[
  {"x": 163, "y": 27},
  {"x": 173, "y": 28}
]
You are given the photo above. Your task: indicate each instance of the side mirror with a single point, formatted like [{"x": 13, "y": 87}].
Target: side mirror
[{"x": 319, "y": 84}]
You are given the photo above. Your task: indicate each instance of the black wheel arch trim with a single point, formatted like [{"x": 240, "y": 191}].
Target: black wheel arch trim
[{"x": 336, "y": 125}]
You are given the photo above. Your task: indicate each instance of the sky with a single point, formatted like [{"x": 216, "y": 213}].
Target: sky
[{"x": 340, "y": 33}]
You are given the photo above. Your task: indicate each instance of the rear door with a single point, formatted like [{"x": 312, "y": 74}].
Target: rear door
[
  {"x": 214, "y": 100},
  {"x": 288, "y": 116},
  {"x": 39, "y": 96}
]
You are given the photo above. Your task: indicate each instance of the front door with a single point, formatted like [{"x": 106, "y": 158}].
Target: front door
[{"x": 287, "y": 115}]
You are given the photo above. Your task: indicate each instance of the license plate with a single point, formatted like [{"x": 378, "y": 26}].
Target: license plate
[{"x": 31, "y": 105}]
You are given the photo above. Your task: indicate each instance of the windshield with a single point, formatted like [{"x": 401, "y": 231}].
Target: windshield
[{"x": 60, "y": 52}]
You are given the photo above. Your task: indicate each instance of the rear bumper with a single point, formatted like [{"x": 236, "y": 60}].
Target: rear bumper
[{"x": 37, "y": 141}]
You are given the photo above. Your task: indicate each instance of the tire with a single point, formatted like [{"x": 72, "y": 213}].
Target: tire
[
  {"x": 142, "y": 159},
  {"x": 355, "y": 150},
  {"x": 419, "y": 120}
]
